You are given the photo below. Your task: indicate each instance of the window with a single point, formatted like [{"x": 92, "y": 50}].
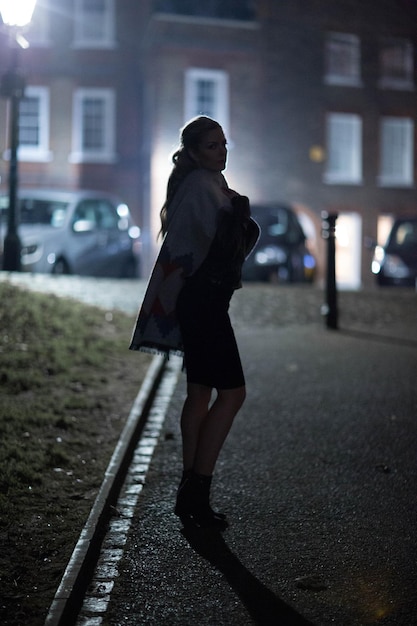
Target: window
[
  {"x": 34, "y": 125},
  {"x": 396, "y": 64},
  {"x": 37, "y": 211},
  {"x": 95, "y": 214},
  {"x": 344, "y": 149},
  {"x": 405, "y": 235},
  {"x": 93, "y": 126},
  {"x": 396, "y": 164},
  {"x": 94, "y": 23},
  {"x": 342, "y": 59},
  {"x": 207, "y": 93},
  {"x": 348, "y": 250}
]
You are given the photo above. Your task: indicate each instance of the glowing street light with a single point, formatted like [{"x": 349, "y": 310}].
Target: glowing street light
[
  {"x": 17, "y": 12},
  {"x": 15, "y": 15}
]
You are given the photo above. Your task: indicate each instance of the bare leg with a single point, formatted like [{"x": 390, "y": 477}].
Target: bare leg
[
  {"x": 194, "y": 411},
  {"x": 215, "y": 427},
  {"x": 205, "y": 429}
]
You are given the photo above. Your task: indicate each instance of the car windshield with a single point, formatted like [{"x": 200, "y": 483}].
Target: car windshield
[
  {"x": 31, "y": 211},
  {"x": 406, "y": 234},
  {"x": 278, "y": 224},
  {"x": 272, "y": 221}
]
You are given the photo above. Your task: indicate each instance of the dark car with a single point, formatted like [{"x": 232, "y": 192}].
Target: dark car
[
  {"x": 74, "y": 232},
  {"x": 281, "y": 254},
  {"x": 396, "y": 262}
]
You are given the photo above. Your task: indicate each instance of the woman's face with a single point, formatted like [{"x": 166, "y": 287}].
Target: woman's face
[{"x": 211, "y": 154}]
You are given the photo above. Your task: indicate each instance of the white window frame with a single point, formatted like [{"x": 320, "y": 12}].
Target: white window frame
[
  {"x": 396, "y": 152},
  {"x": 344, "y": 149},
  {"x": 105, "y": 39},
  {"x": 404, "y": 49},
  {"x": 342, "y": 59},
  {"x": 106, "y": 154},
  {"x": 40, "y": 152},
  {"x": 220, "y": 108}
]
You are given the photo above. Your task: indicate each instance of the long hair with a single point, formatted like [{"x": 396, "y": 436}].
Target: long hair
[{"x": 192, "y": 134}]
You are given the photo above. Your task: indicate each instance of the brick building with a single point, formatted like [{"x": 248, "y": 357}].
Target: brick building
[
  {"x": 317, "y": 99},
  {"x": 80, "y": 119}
]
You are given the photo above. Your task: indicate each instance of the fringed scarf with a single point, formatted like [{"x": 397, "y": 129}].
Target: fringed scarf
[{"x": 191, "y": 228}]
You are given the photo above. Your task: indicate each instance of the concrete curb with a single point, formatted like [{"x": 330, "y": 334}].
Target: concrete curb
[{"x": 70, "y": 593}]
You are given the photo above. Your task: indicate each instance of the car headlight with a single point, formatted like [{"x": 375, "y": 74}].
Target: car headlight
[
  {"x": 29, "y": 250},
  {"x": 134, "y": 232},
  {"x": 394, "y": 267},
  {"x": 378, "y": 259},
  {"x": 270, "y": 255},
  {"x": 31, "y": 254}
]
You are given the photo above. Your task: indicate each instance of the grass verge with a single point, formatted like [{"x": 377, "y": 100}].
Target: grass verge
[{"x": 67, "y": 383}]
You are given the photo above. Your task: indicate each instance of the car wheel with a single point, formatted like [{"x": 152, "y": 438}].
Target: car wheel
[{"x": 61, "y": 267}]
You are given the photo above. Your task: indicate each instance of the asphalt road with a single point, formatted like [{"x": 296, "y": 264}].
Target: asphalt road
[
  {"x": 318, "y": 479},
  {"x": 318, "y": 476}
]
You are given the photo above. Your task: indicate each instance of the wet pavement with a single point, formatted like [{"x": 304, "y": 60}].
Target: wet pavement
[
  {"x": 318, "y": 480},
  {"x": 318, "y": 476}
]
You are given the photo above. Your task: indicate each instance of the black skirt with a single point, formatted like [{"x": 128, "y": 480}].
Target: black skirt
[{"x": 211, "y": 355}]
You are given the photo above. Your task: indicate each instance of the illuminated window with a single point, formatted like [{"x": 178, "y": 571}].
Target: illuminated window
[
  {"x": 396, "y": 163},
  {"x": 348, "y": 250},
  {"x": 396, "y": 64},
  {"x": 93, "y": 126},
  {"x": 94, "y": 23},
  {"x": 207, "y": 93},
  {"x": 342, "y": 59},
  {"x": 344, "y": 149},
  {"x": 34, "y": 125}
]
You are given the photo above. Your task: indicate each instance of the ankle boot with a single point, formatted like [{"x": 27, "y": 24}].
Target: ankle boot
[
  {"x": 203, "y": 486},
  {"x": 184, "y": 493},
  {"x": 193, "y": 502}
]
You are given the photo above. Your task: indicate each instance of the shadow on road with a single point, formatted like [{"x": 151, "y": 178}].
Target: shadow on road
[{"x": 265, "y": 608}]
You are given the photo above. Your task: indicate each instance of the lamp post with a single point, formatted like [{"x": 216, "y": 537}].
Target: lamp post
[{"x": 15, "y": 15}]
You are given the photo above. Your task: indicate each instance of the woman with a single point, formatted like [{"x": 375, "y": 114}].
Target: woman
[{"x": 207, "y": 233}]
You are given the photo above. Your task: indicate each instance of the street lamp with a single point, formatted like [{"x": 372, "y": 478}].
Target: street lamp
[{"x": 15, "y": 15}]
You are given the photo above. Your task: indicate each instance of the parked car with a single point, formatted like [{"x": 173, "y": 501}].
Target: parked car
[
  {"x": 282, "y": 253},
  {"x": 396, "y": 262},
  {"x": 74, "y": 232}
]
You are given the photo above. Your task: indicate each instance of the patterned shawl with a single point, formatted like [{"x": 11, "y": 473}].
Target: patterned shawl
[{"x": 190, "y": 231}]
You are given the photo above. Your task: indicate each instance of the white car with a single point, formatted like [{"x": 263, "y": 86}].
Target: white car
[{"x": 74, "y": 232}]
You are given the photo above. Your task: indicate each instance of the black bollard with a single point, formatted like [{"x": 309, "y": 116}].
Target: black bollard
[{"x": 330, "y": 310}]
